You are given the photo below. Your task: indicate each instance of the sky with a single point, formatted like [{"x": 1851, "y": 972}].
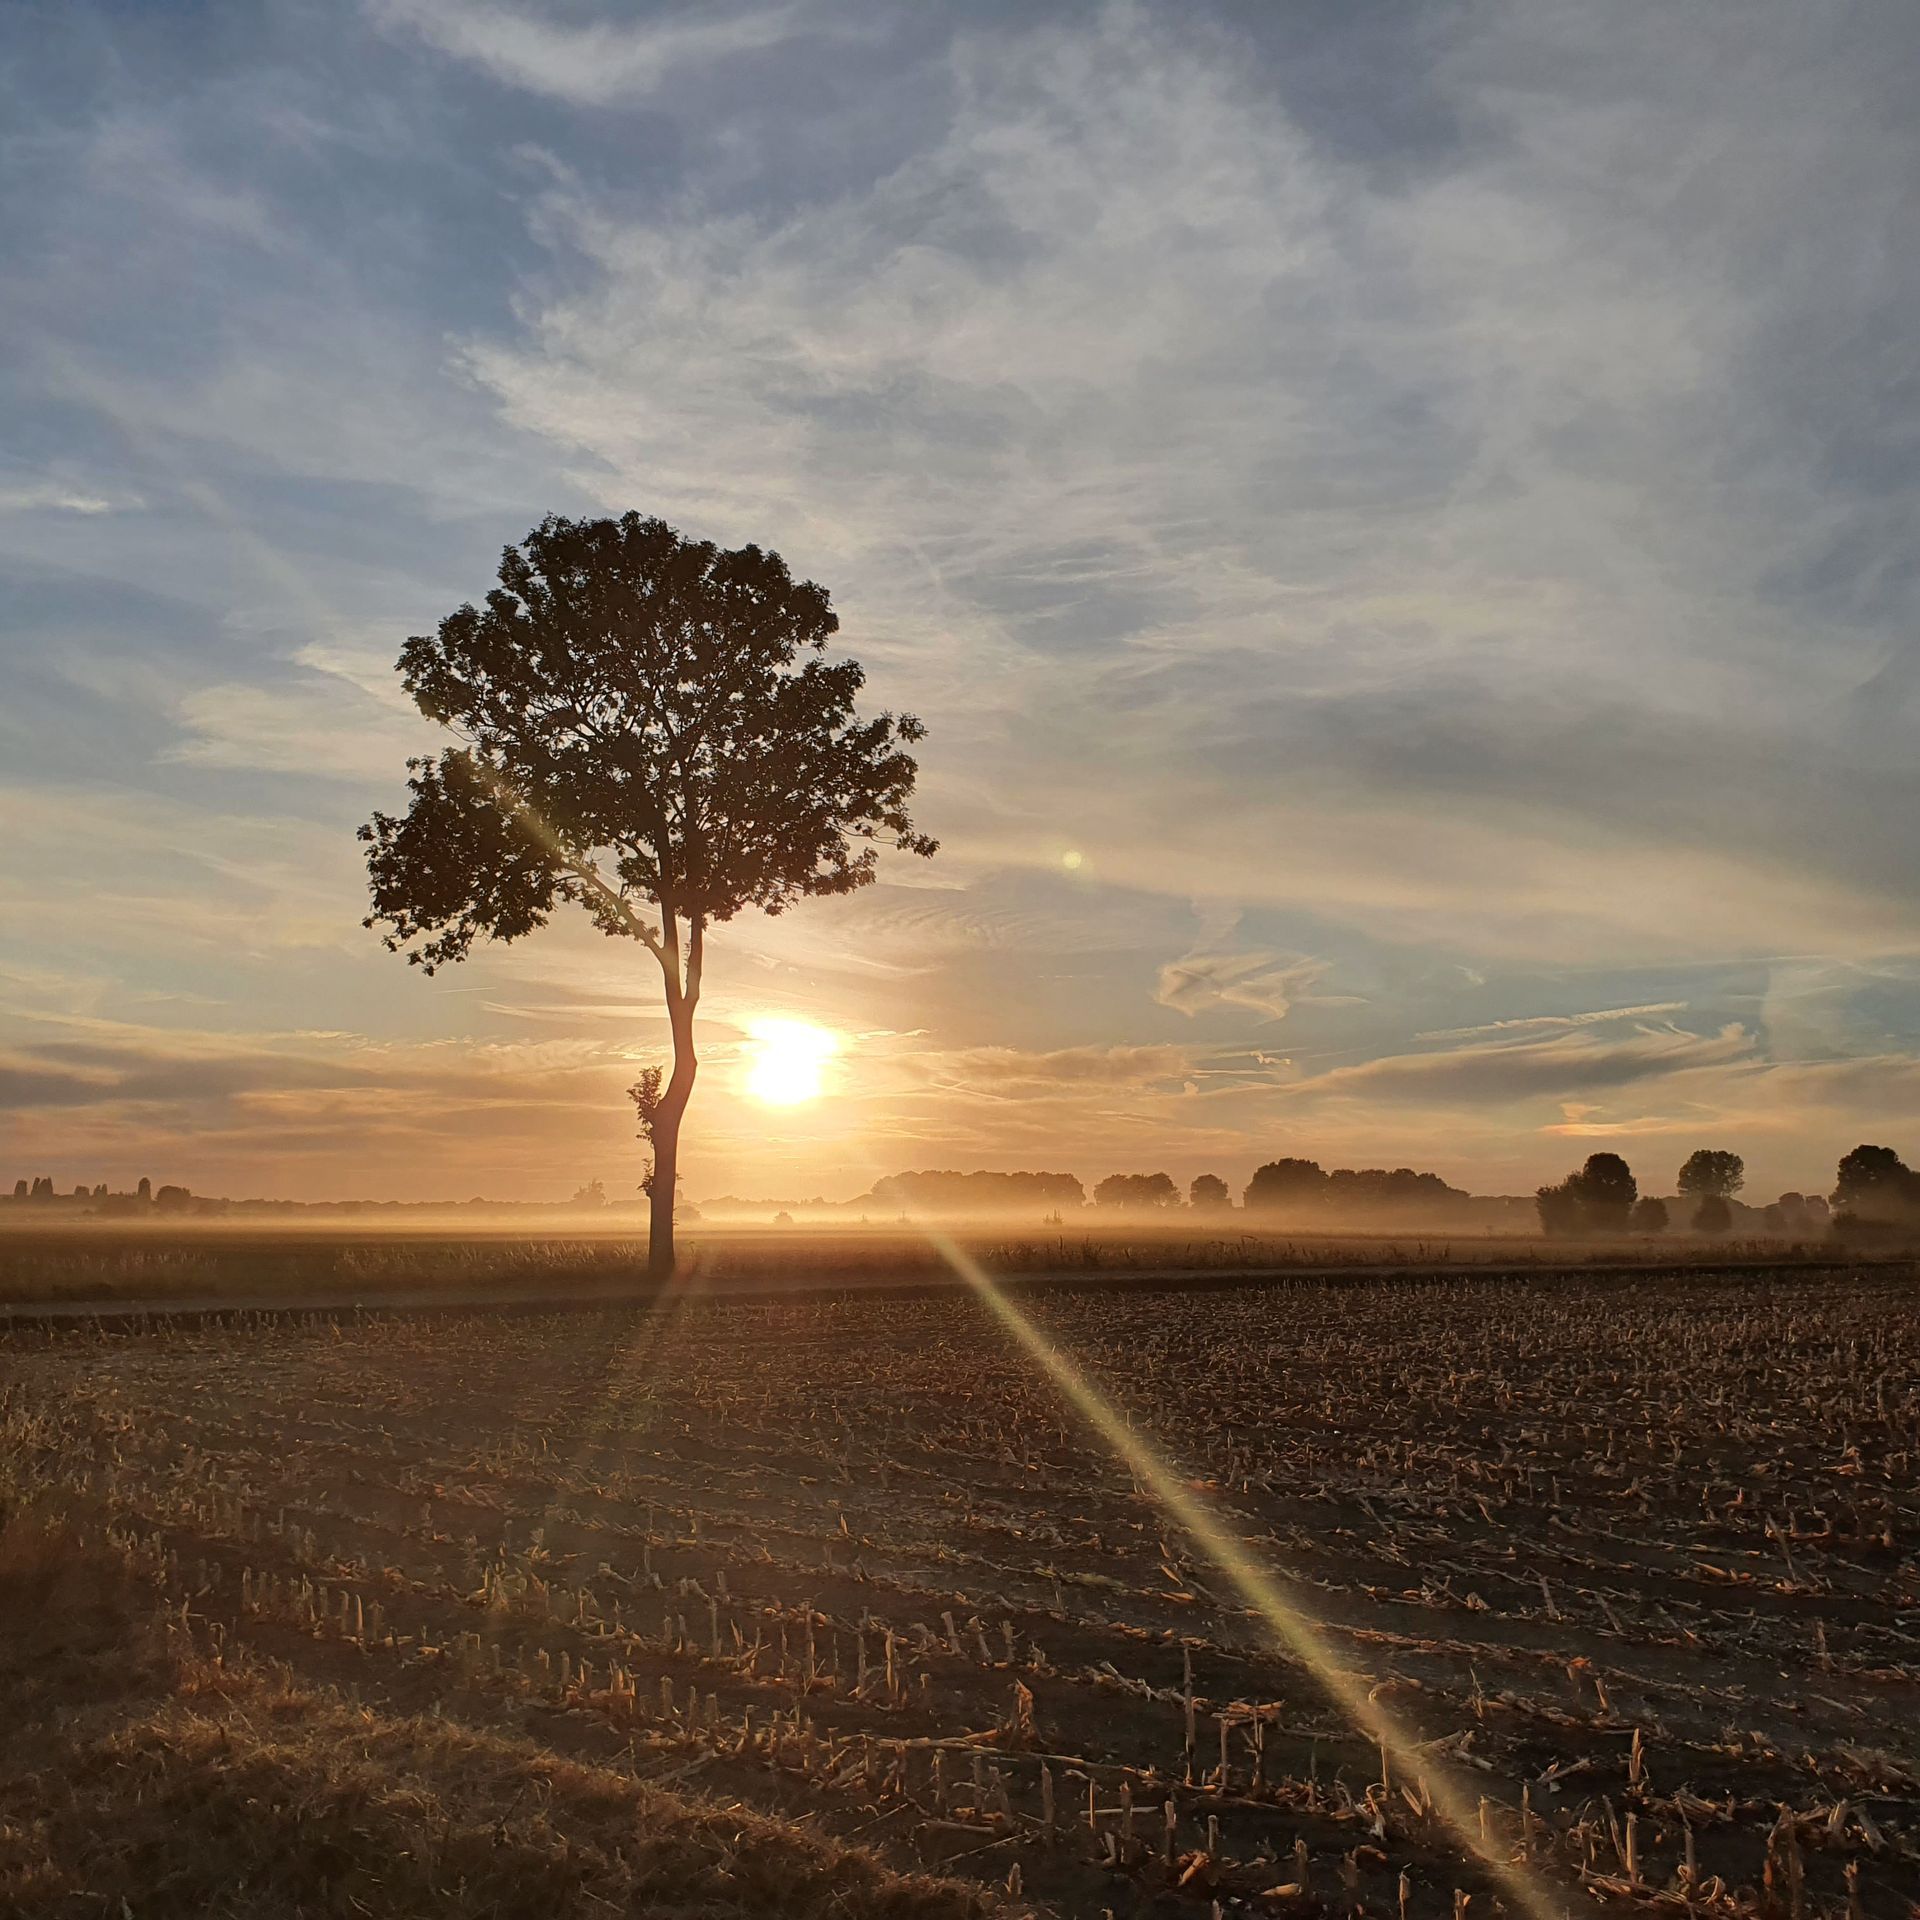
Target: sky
[{"x": 1400, "y": 520}]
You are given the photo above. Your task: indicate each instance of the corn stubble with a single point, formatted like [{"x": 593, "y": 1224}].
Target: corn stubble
[{"x": 829, "y": 1606}]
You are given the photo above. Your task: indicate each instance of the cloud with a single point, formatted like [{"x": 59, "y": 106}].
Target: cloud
[
  {"x": 1007, "y": 1072},
  {"x": 1263, "y": 982},
  {"x": 222, "y": 884},
  {"x": 1124, "y": 393},
  {"x": 51, "y": 497},
  {"x": 598, "y": 64},
  {"x": 1544, "y": 1022},
  {"x": 1509, "y": 1071},
  {"x": 323, "y": 718},
  {"x": 221, "y": 1105}
]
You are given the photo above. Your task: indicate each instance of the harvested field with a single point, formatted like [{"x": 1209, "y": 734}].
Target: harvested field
[{"x": 1634, "y": 1564}]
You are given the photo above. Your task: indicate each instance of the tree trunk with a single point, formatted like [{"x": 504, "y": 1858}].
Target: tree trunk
[{"x": 666, "y": 1141}]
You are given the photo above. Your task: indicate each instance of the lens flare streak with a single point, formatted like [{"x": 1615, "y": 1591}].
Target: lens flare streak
[{"x": 1298, "y": 1634}]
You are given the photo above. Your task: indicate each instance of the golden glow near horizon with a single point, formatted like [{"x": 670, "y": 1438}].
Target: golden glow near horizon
[
  {"x": 1071, "y": 860},
  {"x": 786, "y": 1060}
]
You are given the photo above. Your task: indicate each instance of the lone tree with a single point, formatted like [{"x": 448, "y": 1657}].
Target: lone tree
[{"x": 648, "y": 730}]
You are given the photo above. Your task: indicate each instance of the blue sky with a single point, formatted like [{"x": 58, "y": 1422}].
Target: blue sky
[{"x": 1420, "y": 499}]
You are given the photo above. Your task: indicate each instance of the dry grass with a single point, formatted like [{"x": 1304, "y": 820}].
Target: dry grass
[{"x": 146, "y": 1775}]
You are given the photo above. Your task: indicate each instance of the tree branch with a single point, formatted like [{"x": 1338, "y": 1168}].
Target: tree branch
[{"x": 527, "y": 817}]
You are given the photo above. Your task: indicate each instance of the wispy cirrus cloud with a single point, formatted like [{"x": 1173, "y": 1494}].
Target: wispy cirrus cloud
[
  {"x": 1550, "y": 1022},
  {"x": 592, "y": 63},
  {"x": 1025, "y": 391},
  {"x": 53, "y": 496},
  {"x": 1541, "y": 1068}
]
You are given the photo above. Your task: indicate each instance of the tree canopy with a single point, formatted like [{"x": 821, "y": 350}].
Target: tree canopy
[
  {"x": 1295, "y": 1185},
  {"x": 1141, "y": 1190},
  {"x": 1599, "y": 1198},
  {"x": 1874, "y": 1183},
  {"x": 1649, "y": 1215},
  {"x": 1713, "y": 1214},
  {"x": 636, "y": 733},
  {"x": 1288, "y": 1182},
  {"x": 1711, "y": 1170},
  {"x": 945, "y": 1191},
  {"x": 1606, "y": 1190}
]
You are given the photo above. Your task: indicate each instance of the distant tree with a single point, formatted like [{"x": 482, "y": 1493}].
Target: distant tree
[
  {"x": 1151, "y": 1191},
  {"x": 100, "y": 1191},
  {"x": 1285, "y": 1184},
  {"x": 1378, "y": 1189},
  {"x": 145, "y": 1191},
  {"x": 43, "y": 1187},
  {"x": 1789, "y": 1214},
  {"x": 636, "y": 737},
  {"x": 21, "y": 1190},
  {"x": 593, "y": 1194},
  {"x": 1606, "y": 1190},
  {"x": 1714, "y": 1171},
  {"x": 1714, "y": 1214},
  {"x": 783, "y": 1218},
  {"x": 81, "y": 1191},
  {"x": 1209, "y": 1193},
  {"x": 1561, "y": 1215},
  {"x": 1874, "y": 1183},
  {"x": 1650, "y": 1215},
  {"x": 173, "y": 1199}
]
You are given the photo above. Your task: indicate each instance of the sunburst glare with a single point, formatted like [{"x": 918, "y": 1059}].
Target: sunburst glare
[{"x": 787, "y": 1060}]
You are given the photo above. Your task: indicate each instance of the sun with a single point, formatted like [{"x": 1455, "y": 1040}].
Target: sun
[{"x": 786, "y": 1060}]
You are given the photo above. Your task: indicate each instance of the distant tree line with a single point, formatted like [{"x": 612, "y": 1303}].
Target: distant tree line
[
  {"x": 1281, "y": 1185},
  {"x": 949, "y": 1192},
  {"x": 1875, "y": 1193},
  {"x": 97, "y": 1198},
  {"x": 1875, "y": 1190},
  {"x": 1304, "y": 1186},
  {"x": 1603, "y": 1196}
]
